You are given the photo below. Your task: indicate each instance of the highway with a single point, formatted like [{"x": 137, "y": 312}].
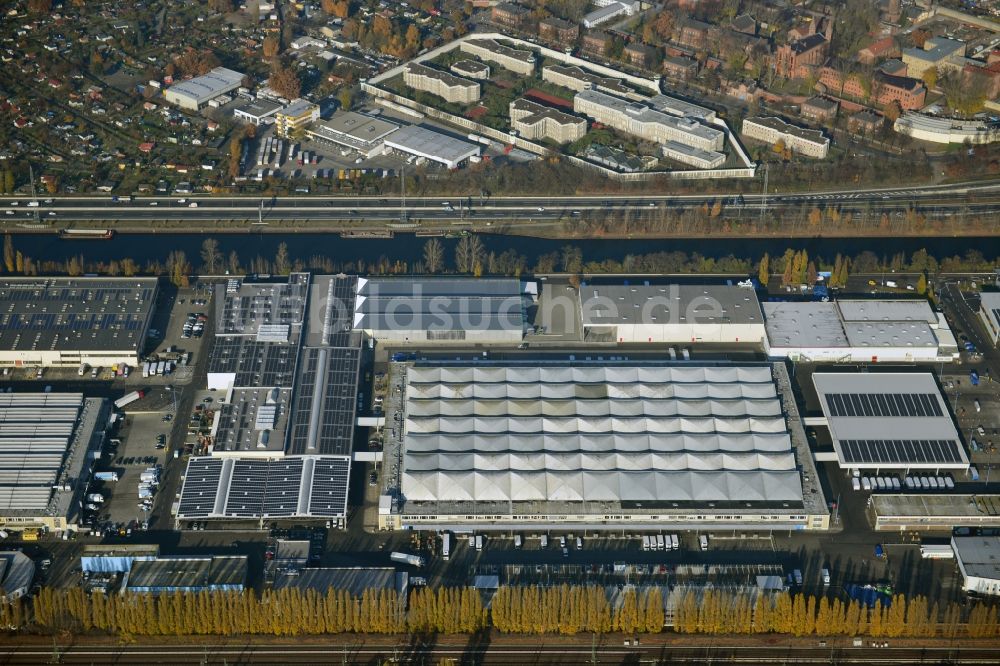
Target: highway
[
  {"x": 942, "y": 201},
  {"x": 498, "y": 650}
]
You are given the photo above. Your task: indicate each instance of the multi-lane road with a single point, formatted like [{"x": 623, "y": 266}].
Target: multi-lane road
[{"x": 970, "y": 198}]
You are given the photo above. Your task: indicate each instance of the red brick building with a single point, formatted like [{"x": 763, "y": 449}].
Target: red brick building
[
  {"x": 597, "y": 42},
  {"x": 796, "y": 60},
  {"x": 555, "y": 29},
  {"x": 879, "y": 50},
  {"x": 885, "y": 88},
  {"x": 510, "y": 15},
  {"x": 640, "y": 55}
]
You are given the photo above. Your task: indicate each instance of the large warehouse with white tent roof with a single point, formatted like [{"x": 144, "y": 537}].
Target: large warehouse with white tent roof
[{"x": 493, "y": 446}]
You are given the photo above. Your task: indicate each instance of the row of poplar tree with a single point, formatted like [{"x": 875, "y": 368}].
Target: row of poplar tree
[
  {"x": 565, "y": 609},
  {"x": 723, "y": 612}
]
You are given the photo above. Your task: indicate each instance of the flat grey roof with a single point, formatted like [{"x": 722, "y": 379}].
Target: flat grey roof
[
  {"x": 589, "y": 77},
  {"x": 260, "y": 107},
  {"x": 989, "y": 302},
  {"x": 678, "y": 107},
  {"x": 253, "y": 421},
  {"x": 438, "y": 304},
  {"x": 671, "y": 303},
  {"x": 203, "y": 88},
  {"x": 809, "y": 325},
  {"x": 188, "y": 573},
  {"x": 887, "y": 310},
  {"x": 430, "y": 144},
  {"x": 444, "y": 77},
  {"x": 814, "y": 136},
  {"x": 247, "y": 305},
  {"x": 75, "y": 314},
  {"x": 881, "y": 334},
  {"x": 354, "y": 130},
  {"x": 890, "y": 420},
  {"x": 953, "y": 506},
  {"x": 979, "y": 555},
  {"x": 644, "y": 113},
  {"x": 353, "y": 579}
]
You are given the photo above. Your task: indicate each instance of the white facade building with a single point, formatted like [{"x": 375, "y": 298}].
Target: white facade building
[
  {"x": 857, "y": 331},
  {"x": 194, "y": 94},
  {"x": 673, "y": 313},
  {"x": 883, "y": 421},
  {"x": 989, "y": 312},
  {"x": 978, "y": 558},
  {"x": 519, "y": 447},
  {"x": 946, "y": 130}
]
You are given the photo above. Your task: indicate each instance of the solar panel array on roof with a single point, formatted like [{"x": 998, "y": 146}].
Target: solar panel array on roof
[
  {"x": 254, "y": 304},
  {"x": 254, "y": 363},
  {"x": 247, "y": 487},
  {"x": 329, "y": 486},
  {"x": 889, "y": 420},
  {"x": 250, "y": 488},
  {"x": 201, "y": 484},
  {"x": 895, "y": 450},
  {"x": 877, "y": 404},
  {"x": 75, "y": 314},
  {"x": 284, "y": 478},
  {"x": 326, "y": 399}
]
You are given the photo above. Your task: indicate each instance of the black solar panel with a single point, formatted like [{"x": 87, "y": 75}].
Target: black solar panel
[
  {"x": 337, "y": 404},
  {"x": 247, "y": 488},
  {"x": 877, "y": 404},
  {"x": 284, "y": 477},
  {"x": 254, "y": 363},
  {"x": 201, "y": 483},
  {"x": 896, "y": 451},
  {"x": 329, "y": 487}
]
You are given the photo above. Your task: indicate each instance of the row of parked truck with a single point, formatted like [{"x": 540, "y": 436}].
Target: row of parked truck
[{"x": 929, "y": 482}]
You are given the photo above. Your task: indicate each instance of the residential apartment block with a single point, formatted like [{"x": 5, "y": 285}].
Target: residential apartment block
[
  {"x": 520, "y": 61},
  {"x": 555, "y": 29},
  {"x": 885, "y": 88},
  {"x": 534, "y": 121},
  {"x": 295, "y": 117},
  {"x": 937, "y": 52},
  {"x": 578, "y": 79},
  {"x": 451, "y": 88},
  {"x": 472, "y": 69},
  {"x": 640, "y": 55},
  {"x": 510, "y": 15},
  {"x": 700, "y": 159},
  {"x": 597, "y": 42},
  {"x": 771, "y": 130},
  {"x": 646, "y": 123}
]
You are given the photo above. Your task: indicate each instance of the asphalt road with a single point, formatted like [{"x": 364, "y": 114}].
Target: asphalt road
[
  {"x": 495, "y": 650},
  {"x": 976, "y": 198}
]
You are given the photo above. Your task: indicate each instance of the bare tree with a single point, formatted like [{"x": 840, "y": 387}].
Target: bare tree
[
  {"x": 434, "y": 255},
  {"x": 282, "y": 266},
  {"x": 211, "y": 256},
  {"x": 468, "y": 253}
]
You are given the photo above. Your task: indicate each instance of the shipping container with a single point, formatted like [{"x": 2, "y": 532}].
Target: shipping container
[
  {"x": 406, "y": 558},
  {"x": 128, "y": 398},
  {"x": 445, "y": 546}
]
